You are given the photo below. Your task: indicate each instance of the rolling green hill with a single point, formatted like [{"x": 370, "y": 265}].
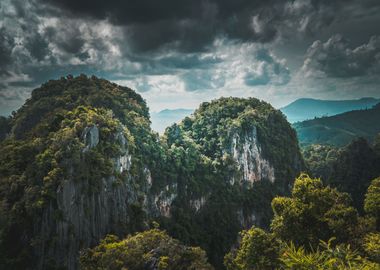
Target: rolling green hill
[{"x": 340, "y": 129}]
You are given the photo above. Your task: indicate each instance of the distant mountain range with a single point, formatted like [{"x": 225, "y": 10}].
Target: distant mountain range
[
  {"x": 163, "y": 119},
  {"x": 340, "y": 129},
  {"x": 308, "y": 108}
]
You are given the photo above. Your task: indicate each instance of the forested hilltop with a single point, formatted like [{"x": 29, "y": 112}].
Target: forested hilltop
[
  {"x": 71, "y": 171},
  {"x": 80, "y": 161},
  {"x": 85, "y": 183}
]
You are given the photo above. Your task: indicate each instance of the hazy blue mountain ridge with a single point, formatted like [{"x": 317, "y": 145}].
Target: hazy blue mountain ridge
[
  {"x": 165, "y": 118},
  {"x": 308, "y": 108},
  {"x": 340, "y": 129}
]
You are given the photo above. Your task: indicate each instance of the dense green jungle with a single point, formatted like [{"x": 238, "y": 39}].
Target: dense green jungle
[{"x": 85, "y": 183}]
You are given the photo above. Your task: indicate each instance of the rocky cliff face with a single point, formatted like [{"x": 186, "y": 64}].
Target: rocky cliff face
[
  {"x": 233, "y": 156},
  {"x": 247, "y": 153},
  {"x": 163, "y": 201},
  {"x": 83, "y": 213},
  {"x": 90, "y": 137},
  {"x": 78, "y": 172},
  {"x": 88, "y": 165}
]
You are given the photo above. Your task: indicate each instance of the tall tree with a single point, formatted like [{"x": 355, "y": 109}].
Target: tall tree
[
  {"x": 314, "y": 212},
  {"x": 372, "y": 201},
  {"x": 354, "y": 169}
]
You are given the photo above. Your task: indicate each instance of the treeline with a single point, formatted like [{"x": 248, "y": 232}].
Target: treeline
[
  {"x": 315, "y": 228},
  {"x": 350, "y": 169}
]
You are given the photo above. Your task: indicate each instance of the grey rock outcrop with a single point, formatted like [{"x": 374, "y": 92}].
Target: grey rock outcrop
[
  {"x": 90, "y": 137},
  {"x": 246, "y": 151},
  {"x": 163, "y": 201},
  {"x": 197, "y": 204},
  {"x": 84, "y": 212}
]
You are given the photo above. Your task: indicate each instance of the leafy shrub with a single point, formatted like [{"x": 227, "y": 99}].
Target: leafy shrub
[
  {"x": 153, "y": 249},
  {"x": 325, "y": 257},
  {"x": 372, "y": 246},
  {"x": 257, "y": 250}
]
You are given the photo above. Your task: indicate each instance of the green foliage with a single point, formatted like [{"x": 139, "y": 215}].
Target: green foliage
[
  {"x": 372, "y": 200},
  {"x": 192, "y": 163},
  {"x": 350, "y": 169},
  {"x": 5, "y": 127},
  {"x": 376, "y": 144},
  {"x": 320, "y": 158},
  {"x": 153, "y": 249},
  {"x": 201, "y": 162},
  {"x": 68, "y": 93},
  {"x": 46, "y": 146},
  {"x": 313, "y": 213},
  {"x": 257, "y": 250},
  {"x": 354, "y": 168},
  {"x": 372, "y": 246},
  {"x": 304, "y": 228},
  {"x": 325, "y": 257},
  {"x": 214, "y": 124}
]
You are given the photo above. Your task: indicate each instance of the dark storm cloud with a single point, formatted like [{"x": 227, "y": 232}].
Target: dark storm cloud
[
  {"x": 188, "y": 26},
  {"x": 185, "y": 36},
  {"x": 336, "y": 58},
  {"x": 37, "y": 45},
  {"x": 191, "y": 25},
  {"x": 123, "y": 12},
  {"x": 125, "y": 40},
  {"x": 149, "y": 25},
  {"x": 269, "y": 71},
  {"x": 189, "y": 61},
  {"x": 8, "y": 98},
  {"x": 201, "y": 80},
  {"x": 68, "y": 38},
  {"x": 6, "y": 45},
  {"x": 176, "y": 62}
]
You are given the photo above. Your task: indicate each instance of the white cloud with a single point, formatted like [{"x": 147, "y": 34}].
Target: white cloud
[{"x": 237, "y": 63}]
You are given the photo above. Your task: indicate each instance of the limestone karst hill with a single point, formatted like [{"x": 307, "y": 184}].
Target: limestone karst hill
[{"x": 80, "y": 160}]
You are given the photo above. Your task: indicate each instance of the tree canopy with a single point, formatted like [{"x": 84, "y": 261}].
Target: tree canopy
[
  {"x": 315, "y": 228},
  {"x": 152, "y": 249}
]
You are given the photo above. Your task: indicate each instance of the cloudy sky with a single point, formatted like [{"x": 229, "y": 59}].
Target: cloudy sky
[{"x": 178, "y": 53}]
